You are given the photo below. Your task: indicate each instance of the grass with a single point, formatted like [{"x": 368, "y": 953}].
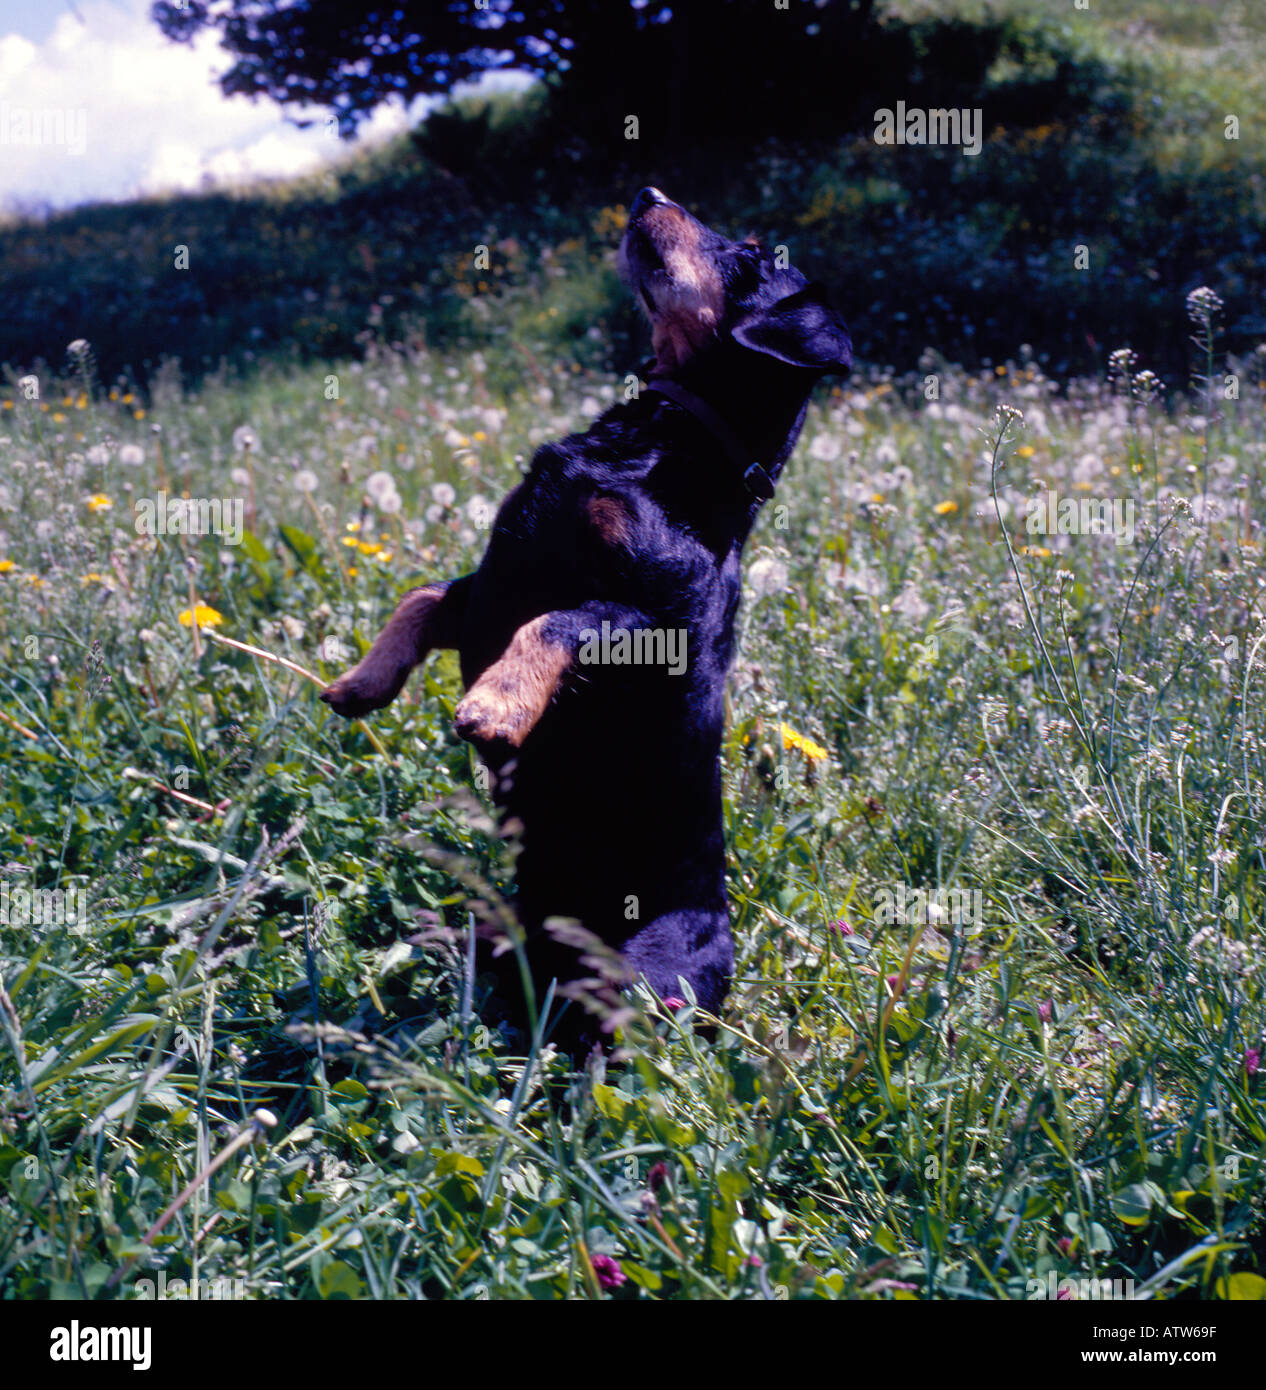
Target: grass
[{"x": 993, "y": 802}]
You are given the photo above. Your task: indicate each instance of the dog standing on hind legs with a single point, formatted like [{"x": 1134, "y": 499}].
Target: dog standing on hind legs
[{"x": 629, "y": 538}]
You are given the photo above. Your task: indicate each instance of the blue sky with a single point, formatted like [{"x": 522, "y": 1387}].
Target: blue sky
[{"x": 95, "y": 105}]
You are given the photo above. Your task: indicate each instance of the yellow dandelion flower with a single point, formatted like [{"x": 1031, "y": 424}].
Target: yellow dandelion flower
[
  {"x": 1025, "y": 451},
  {"x": 93, "y": 578},
  {"x": 368, "y": 547},
  {"x": 99, "y": 502},
  {"x": 6, "y": 566},
  {"x": 204, "y": 615},
  {"x": 128, "y": 399},
  {"x": 33, "y": 580},
  {"x": 479, "y": 436},
  {"x": 945, "y": 508},
  {"x": 793, "y": 740},
  {"x": 138, "y": 415},
  {"x": 1040, "y": 551},
  {"x": 58, "y": 417},
  {"x": 383, "y": 556}
]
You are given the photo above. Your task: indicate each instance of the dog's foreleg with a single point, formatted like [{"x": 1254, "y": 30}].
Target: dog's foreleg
[
  {"x": 507, "y": 701},
  {"x": 425, "y": 619}
]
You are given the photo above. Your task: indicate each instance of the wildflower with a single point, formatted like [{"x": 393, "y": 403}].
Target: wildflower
[
  {"x": 793, "y": 740},
  {"x": 378, "y": 483},
  {"x": 6, "y": 566},
  {"x": 1203, "y": 306},
  {"x": 1025, "y": 451},
  {"x": 305, "y": 480},
  {"x": 444, "y": 493},
  {"x": 842, "y": 927},
  {"x": 1252, "y": 1060},
  {"x": 131, "y": 455},
  {"x": 381, "y": 488},
  {"x": 1147, "y": 386},
  {"x": 97, "y": 455},
  {"x": 244, "y": 440},
  {"x": 203, "y": 615},
  {"x": 767, "y": 575},
  {"x": 945, "y": 508},
  {"x": 610, "y": 1275},
  {"x": 673, "y": 1003},
  {"x": 657, "y": 1175},
  {"x": 99, "y": 502},
  {"x": 93, "y": 578}
]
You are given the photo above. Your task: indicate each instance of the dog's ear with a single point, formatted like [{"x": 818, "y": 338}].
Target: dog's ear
[{"x": 803, "y": 330}]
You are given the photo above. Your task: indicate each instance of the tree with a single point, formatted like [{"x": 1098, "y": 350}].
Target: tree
[{"x": 719, "y": 61}]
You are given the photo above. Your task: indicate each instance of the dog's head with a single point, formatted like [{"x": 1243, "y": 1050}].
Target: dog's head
[{"x": 700, "y": 291}]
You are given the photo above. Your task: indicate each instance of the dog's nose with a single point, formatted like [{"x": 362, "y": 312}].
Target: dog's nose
[{"x": 647, "y": 198}]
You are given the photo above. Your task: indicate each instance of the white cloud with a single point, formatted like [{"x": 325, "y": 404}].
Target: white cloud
[{"x": 148, "y": 113}]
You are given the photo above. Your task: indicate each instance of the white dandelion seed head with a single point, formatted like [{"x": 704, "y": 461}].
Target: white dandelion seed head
[{"x": 379, "y": 484}]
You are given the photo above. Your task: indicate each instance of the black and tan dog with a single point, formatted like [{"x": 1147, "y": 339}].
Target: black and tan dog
[{"x": 595, "y": 636}]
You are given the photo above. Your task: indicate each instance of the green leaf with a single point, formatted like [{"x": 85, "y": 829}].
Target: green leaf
[
  {"x": 1243, "y": 1288},
  {"x": 339, "y": 1280},
  {"x": 612, "y": 1103},
  {"x": 1133, "y": 1204}
]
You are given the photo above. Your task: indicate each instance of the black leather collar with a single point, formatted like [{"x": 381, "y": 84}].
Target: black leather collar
[{"x": 755, "y": 479}]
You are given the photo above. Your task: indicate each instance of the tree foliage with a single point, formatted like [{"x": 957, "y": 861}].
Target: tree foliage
[{"x": 701, "y": 66}]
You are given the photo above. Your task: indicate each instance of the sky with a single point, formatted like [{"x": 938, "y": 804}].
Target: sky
[{"x": 96, "y": 105}]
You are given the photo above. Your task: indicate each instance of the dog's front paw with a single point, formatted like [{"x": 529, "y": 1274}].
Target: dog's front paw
[
  {"x": 493, "y": 718},
  {"x": 358, "y": 693}
]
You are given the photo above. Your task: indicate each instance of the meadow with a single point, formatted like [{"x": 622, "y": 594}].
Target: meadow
[
  {"x": 995, "y": 760},
  {"x": 993, "y": 798}
]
